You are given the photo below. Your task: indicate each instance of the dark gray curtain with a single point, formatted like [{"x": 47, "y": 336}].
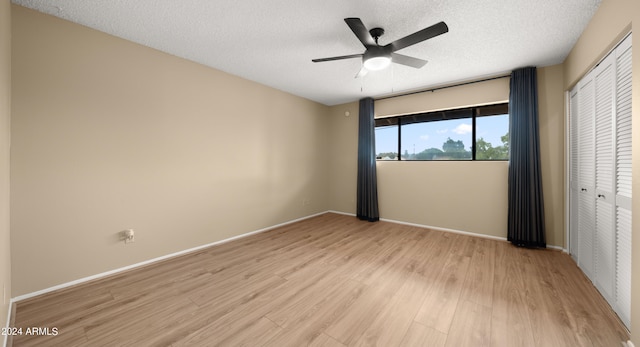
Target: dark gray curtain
[
  {"x": 526, "y": 208},
  {"x": 367, "y": 206}
]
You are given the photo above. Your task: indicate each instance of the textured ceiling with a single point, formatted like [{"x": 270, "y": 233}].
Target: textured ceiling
[{"x": 272, "y": 42}]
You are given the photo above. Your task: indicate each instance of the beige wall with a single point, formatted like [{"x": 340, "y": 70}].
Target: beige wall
[
  {"x": 5, "y": 126},
  {"x": 110, "y": 135},
  {"x": 551, "y": 123},
  {"x": 611, "y": 22},
  {"x": 343, "y": 162},
  {"x": 488, "y": 92},
  {"x": 465, "y": 196}
]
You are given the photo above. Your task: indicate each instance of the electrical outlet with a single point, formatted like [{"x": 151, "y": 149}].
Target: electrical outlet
[{"x": 128, "y": 236}]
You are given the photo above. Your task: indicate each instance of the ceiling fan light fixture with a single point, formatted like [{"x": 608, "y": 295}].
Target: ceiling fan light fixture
[{"x": 377, "y": 63}]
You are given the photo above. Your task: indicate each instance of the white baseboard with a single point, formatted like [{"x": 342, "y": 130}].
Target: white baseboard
[
  {"x": 194, "y": 249},
  {"x": 468, "y": 233},
  {"x": 4, "y": 342},
  {"x": 429, "y": 227},
  {"x": 343, "y": 213},
  {"x": 445, "y": 229},
  {"x": 564, "y": 250},
  {"x": 154, "y": 260}
]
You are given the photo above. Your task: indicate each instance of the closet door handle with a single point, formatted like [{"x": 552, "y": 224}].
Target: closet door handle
[
  {"x": 600, "y": 195},
  {"x": 584, "y": 189}
]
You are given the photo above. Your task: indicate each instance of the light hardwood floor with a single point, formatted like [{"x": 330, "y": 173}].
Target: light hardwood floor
[{"x": 333, "y": 280}]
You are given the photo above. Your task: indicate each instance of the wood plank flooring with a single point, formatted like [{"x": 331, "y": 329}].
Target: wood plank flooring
[{"x": 333, "y": 280}]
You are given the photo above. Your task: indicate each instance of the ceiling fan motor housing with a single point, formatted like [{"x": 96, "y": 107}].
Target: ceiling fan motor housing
[
  {"x": 376, "y": 33},
  {"x": 377, "y": 51},
  {"x": 376, "y": 57}
]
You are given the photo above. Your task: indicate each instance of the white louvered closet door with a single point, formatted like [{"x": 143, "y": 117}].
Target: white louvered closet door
[
  {"x": 586, "y": 174},
  {"x": 600, "y": 174},
  {"x": 604, "y": 241},
  {"x": 574, "y": 189},
  {"x": 623, "y": 182}
]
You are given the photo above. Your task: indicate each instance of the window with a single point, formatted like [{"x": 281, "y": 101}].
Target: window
[
  {"x": 492, "y": 137},
  {"x": 387, "y": 142},
  {"x": 476, "y": 133}
]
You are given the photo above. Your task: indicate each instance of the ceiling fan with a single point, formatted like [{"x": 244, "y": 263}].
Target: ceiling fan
[{"x": 376, "y": 57}]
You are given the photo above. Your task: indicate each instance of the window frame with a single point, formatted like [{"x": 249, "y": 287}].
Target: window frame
[{"x": 450, "y": 114}]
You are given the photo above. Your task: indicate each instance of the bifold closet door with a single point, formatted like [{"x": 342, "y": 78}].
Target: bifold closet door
[
  {"x": 574, "y": 188},
  {"x": 586, "y": 174},
  {"x": 623, "y": 181},
  {"x": 600, "y": 174},
  {"x": 604, "y": 241}
]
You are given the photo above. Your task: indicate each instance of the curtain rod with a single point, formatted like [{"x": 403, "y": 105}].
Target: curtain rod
[{"x": 444, "y": 87}]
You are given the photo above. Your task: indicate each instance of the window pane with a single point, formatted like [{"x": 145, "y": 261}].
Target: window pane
[
  {"x": 492, "y": 137},
  {"x": 387, "y": 142},
  {"x": 437, "y": 140}
]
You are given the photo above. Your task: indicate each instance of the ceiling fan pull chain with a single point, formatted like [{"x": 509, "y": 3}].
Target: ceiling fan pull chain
[{"x": 393, "y": 78}]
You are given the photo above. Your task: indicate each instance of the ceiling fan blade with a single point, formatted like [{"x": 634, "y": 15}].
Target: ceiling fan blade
[
  {"x": 407, "y": 60},
  {"x": 361, "y": 31},
  {"x": 337, "y": 58},
  {"x": 419, "y": 36},
  {"x": 363, "y": 71}
]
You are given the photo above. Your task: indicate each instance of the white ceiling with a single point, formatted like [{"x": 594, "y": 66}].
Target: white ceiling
[{"x": 273, "y": 41}]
